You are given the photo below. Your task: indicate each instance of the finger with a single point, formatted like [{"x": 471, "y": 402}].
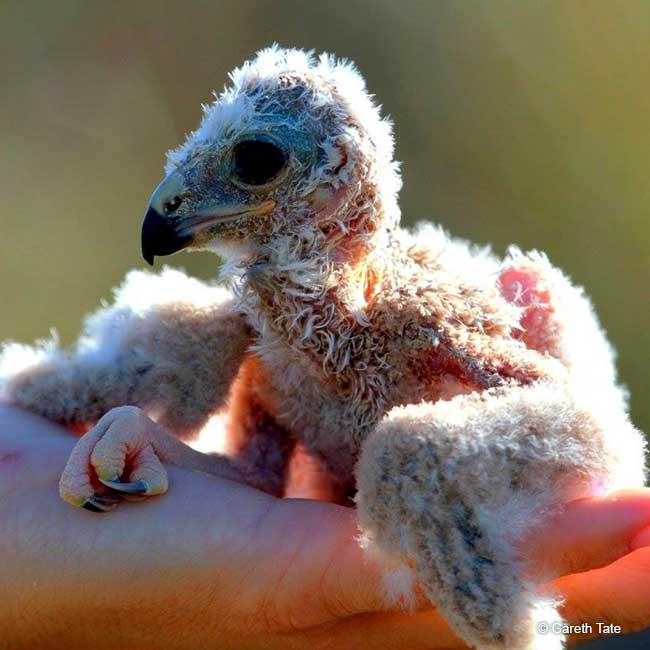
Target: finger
[
  {"x": 75, "y": 485},
  {"x": 618, "y": 594},
  {"x": 124, "y": 438},
  {"x": 340, "y": 588},
  {"x": 328, "y": 572},
  {"x": 588, "y": 534}
]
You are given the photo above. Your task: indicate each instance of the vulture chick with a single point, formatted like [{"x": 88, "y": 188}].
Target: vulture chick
[{"x": 464, "y": 398}]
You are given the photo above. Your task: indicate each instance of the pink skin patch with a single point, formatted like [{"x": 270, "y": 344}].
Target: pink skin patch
[{"x": 525, "y": 288}]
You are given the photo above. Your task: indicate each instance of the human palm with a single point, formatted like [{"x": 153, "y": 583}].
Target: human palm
[{"x": 218, "y": 564}]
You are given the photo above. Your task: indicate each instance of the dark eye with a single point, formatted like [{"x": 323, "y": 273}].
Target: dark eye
[{"x": 257, "y": 161}]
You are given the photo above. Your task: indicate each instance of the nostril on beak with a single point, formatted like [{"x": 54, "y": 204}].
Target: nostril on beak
[{"x": 169, "y": 207}]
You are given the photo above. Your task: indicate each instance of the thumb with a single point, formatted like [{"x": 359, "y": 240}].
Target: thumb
[
  {"x": 327, "y": 575},
  {"x": 344, "y": 580},
  {"x": 618, "y": 594}
]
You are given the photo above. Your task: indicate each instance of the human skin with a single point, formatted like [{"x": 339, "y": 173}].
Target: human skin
[{"x": 217, "y": 564}]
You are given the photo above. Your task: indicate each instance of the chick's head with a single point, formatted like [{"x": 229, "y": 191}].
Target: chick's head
[{"x": 294, "y": 153}]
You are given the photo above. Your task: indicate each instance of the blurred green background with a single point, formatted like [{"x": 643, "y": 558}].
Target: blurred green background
[{"x": 516, "y": 121}]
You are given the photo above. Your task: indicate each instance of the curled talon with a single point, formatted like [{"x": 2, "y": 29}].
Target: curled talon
[
  {"x": 100, "y": 504},
  {"x": 123, "y": 438},
  {"x": 135, "y": 487}
]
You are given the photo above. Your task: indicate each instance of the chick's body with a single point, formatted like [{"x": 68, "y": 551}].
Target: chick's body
[
  {"x": 465, "y": 398},
  {"x": 328, "y": 369}
]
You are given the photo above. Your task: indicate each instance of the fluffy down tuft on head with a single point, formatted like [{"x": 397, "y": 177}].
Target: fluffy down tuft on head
[{"x": 323, "y": 101}]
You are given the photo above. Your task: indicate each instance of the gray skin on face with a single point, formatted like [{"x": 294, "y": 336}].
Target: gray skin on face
[{"x": 206, "y": 197}]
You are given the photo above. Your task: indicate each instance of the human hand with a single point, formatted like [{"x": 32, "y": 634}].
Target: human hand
[{"x": 218, "y": 564}]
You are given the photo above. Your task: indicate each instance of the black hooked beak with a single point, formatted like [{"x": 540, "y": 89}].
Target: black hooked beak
[
  {"x": 164, "y": 231},
  {"x": 161, "y": 234}
]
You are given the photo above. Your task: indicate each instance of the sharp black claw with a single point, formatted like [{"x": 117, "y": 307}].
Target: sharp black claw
[
  {"x": 99, "y": 504},
  {"x": 109, "y": 499},
  {"x": 137, "y": 487}
]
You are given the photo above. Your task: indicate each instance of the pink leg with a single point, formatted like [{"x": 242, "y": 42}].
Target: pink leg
[{"x": 256, "y": 440}]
